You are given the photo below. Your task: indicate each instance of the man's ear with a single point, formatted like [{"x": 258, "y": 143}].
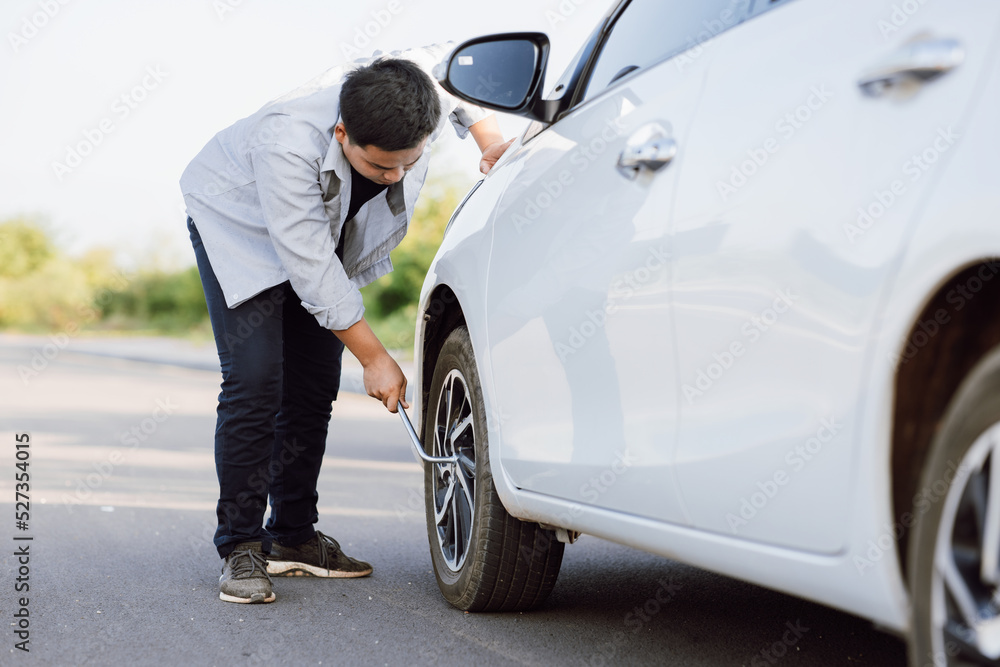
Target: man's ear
[{"x": 340, "y": 133}]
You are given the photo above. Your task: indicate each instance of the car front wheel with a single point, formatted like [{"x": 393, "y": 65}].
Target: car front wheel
[
  {"x": 484, "y": 559},
  {"x": 955, "y": 551}
]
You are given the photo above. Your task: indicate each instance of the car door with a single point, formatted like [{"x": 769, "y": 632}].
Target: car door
[
  {"x": 578, "y": 303},
  {"x": 802, "y": 172}
]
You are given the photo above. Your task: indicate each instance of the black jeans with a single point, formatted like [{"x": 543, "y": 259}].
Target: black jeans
[{"x": 280, "y": 376}]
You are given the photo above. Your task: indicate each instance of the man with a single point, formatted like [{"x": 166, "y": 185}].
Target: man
[{"x": 291, "y": 210}]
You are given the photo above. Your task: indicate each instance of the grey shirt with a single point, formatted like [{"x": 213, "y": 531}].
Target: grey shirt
[{"x": 269, "y": 195}]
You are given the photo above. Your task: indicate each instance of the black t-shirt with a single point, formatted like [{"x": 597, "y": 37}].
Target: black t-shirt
[{"x": 362, "y": 191}]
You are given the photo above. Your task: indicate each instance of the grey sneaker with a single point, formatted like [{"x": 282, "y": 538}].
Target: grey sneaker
[
  {"x": 319, "y": 557},
  {"x": 244, "y": 576}
]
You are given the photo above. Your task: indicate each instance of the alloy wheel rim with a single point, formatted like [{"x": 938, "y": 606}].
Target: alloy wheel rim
[
  {"x": 965, "y": 584},
  {"x": 454, "y": 484}
]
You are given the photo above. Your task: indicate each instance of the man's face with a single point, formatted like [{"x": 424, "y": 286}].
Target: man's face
[{"x": 375, "y": 164}]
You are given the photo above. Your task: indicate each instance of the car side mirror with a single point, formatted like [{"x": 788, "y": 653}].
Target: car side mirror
[{"x": 501, "y": 72}]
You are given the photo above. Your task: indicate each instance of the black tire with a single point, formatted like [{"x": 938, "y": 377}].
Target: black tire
[
  {"x": 484, "y": 559},
  {"x": 952, "y": 526}
]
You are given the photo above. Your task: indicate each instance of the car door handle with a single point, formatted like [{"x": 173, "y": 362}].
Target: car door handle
[
  {"x": 648, "y": 148},
  {"x": 918, "y": 61}
]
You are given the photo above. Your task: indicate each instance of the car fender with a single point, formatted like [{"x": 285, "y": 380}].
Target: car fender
[{"x": 462, "y": 265}]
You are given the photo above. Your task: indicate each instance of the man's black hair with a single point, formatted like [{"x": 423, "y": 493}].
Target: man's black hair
[{"x": 390, "y": 103}]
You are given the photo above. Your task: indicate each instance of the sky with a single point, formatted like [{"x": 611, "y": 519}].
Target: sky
[{"x": 105, "y": 102}]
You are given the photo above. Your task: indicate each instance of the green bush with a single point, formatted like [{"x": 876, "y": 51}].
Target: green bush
[
  {"x": 167, "y": 302},
  {"x": 43, "y": 290}
]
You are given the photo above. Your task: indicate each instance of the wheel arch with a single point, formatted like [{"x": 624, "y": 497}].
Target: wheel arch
[
  {"x": 957, "y": 326},
  {"x": 441, "y": 315}
]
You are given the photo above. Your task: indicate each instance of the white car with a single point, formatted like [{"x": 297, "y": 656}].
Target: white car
[{"x": 732, "y": 298}]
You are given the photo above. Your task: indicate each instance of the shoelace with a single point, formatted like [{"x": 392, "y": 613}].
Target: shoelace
[
  {"x": 325, "y": 541},
  {"x": 245, "y": 562}
]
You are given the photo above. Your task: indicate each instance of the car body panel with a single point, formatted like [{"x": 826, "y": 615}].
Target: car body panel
[
  {"x": 459, "y": 265},
  {"x": 858, "y": 304},
  {"x": 578, "y": 306},
  {"x": 778, "y": 273}
]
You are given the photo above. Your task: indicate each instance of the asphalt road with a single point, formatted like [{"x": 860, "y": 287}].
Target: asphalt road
[{"x": 123, "y": 571}]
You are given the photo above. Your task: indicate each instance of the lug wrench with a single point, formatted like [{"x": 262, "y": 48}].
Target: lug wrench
[{"x": 417, "y": 446}]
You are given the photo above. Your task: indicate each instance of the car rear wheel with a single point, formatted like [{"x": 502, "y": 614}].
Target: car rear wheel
[
  {"x": 484, "y": 559},
  {"x": 955, "y": 551}
]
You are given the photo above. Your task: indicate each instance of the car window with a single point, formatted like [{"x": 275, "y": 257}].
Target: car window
[{"x": 649, "y": 31}]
